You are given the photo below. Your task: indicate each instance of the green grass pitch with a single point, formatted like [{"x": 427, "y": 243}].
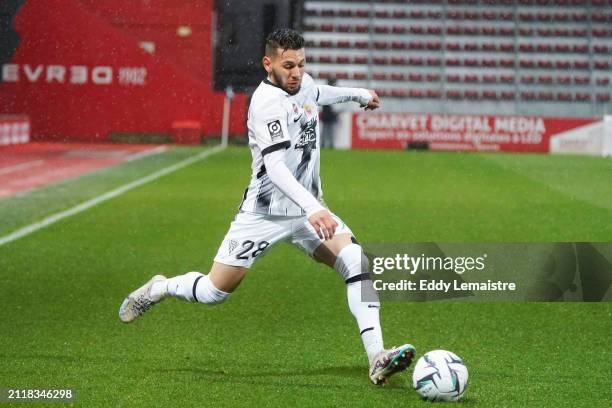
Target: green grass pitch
[{"x": 285, "y": 337}]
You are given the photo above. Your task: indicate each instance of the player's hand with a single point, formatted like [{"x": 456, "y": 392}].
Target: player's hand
[
  {"x": 324, "y": 224},
  {"x": 375, "y": 102}
]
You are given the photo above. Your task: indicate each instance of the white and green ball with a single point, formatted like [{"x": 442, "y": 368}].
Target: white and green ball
[{"x": 440, "y": 375}]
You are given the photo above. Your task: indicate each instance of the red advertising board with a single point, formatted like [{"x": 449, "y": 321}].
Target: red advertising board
[
  {"x": 379, "y": 130},
  {"x": 78, "y": 78}
]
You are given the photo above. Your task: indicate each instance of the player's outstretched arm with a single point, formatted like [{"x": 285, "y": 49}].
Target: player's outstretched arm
[
  {"x": 318, "y": 216},
  {"x": 366, "y": 98}
]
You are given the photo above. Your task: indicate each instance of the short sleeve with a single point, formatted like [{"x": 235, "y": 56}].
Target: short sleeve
[{"x": 269, "y": 126}]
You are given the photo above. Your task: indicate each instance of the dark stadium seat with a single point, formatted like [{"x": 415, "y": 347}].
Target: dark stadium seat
[
  {"x": 581, "y": 80},
  {"x": 489, "y": 46},
  {"x": 488, "y": 62},
  {"x": 507, "y": 79},
  {"x": 415, "y": 61},
  {"x": 487, "y": 94},
  {"x": 454, "y": 94},
  {"x": 398, "y": 76},
  {"x": 382, "y": 29},
  {"x": 545, "y": 79},
  {"x": 433, "y": 61},
  {"x": 562, "y": 48},
  {"x": 506, "y": 47},
  {"x": 564, "y": 79},
  {"x": 379, "y": 76},
  {"x": 563, "y": 64},
  {"x": 399, "y": 60},
  {"x": 415, "y": 77},
  {"x": 470, "y": 78},
  {"x": 527, "y": 79},
  {"x": 491, "y": 79},
  {"x": 470, "y": 94},
  {"x": 379, "y": 60},
  {"x": 600, "y": 32},
  {"x": 432, "y": 77},
  {"x": 416, "y": 45},
  {"x": 434, "y": 93},
  {"x": 544, "y": 48},
  {"x": 453, "y": 46},
  {"x": 583, "y": 96},
  {"x": 453, "y": 78},
  {"x": 528, "y": 95},
  {"x": 398, "y": 45},
  {"x": 545, "y": 64},
  {"x": 342, "y": 75},
  {"x": 400, "y": 93},
  {"x": 564, "y": 96},
  {"x": 600, "y": 48},
  {"x": 580, "y": 48},
  {"x": 343, "y": 59},
  {"x": 545, "y": 96},
  {"x": 453, "y": 62},
  {"x": 360, "y": 59},
  {"x": 508, "y": 95},
  {"x": 603, "y": 97},
  {"x": 601, "y": 64},
  {"x": 561, "y": 16},
  {"x": 602, "y": 81},
  {"x": 360, "y": 76},
  {"x": 416, "y": 93},
  {"x": 380, "y": 45},
  {"x": 581, "y": 64},
  {"x": 434, "y": 45}
]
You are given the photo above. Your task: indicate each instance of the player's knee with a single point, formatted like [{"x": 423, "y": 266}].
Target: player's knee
[
  {"x": 204, "y": 291},
  {"x": 352, "y": 264}
]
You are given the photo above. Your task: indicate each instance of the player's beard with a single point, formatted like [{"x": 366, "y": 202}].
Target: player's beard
[{"x": 279, "y": 81}]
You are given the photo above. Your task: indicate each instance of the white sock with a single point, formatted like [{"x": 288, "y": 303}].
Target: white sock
[
  {"x": 352, "y": 264},
  {"x": 193, "y": 286},
  {"x": 367, "y": 316}
]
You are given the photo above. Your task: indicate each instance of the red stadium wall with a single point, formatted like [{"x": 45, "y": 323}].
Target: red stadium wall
[{"x": 80, "y": 77}]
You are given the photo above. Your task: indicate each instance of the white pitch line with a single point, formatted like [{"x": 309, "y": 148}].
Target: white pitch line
[
  {"x": 29, "y": 229},
  {"x": 150, "y": 152},
  {"x": 20, "y": 166}
]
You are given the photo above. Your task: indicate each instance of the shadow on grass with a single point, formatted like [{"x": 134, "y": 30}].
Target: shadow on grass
[{"x": 357, "y": 375}]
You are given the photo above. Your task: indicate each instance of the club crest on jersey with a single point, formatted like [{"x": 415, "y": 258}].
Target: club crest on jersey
[
  {"x": 308, "y": 135},
  {"x": 308, "y": 109}
]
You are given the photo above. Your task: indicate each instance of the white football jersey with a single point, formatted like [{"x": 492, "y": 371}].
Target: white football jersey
[{"x": 278, "y": 120}]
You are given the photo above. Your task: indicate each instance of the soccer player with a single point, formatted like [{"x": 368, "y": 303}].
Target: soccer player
[{"x": 284, "y": 202}]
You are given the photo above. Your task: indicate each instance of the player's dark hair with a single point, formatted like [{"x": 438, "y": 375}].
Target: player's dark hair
[{"x": 284, "y": 38}]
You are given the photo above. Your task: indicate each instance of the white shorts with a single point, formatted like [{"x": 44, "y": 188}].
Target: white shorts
[{"x": 251, "y": 235}]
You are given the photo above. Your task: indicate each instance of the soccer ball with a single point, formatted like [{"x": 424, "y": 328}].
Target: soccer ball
[{"x": 440, "y": 375}]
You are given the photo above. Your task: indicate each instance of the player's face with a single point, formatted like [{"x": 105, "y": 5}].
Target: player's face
[{"x": 286, "y": 68}]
